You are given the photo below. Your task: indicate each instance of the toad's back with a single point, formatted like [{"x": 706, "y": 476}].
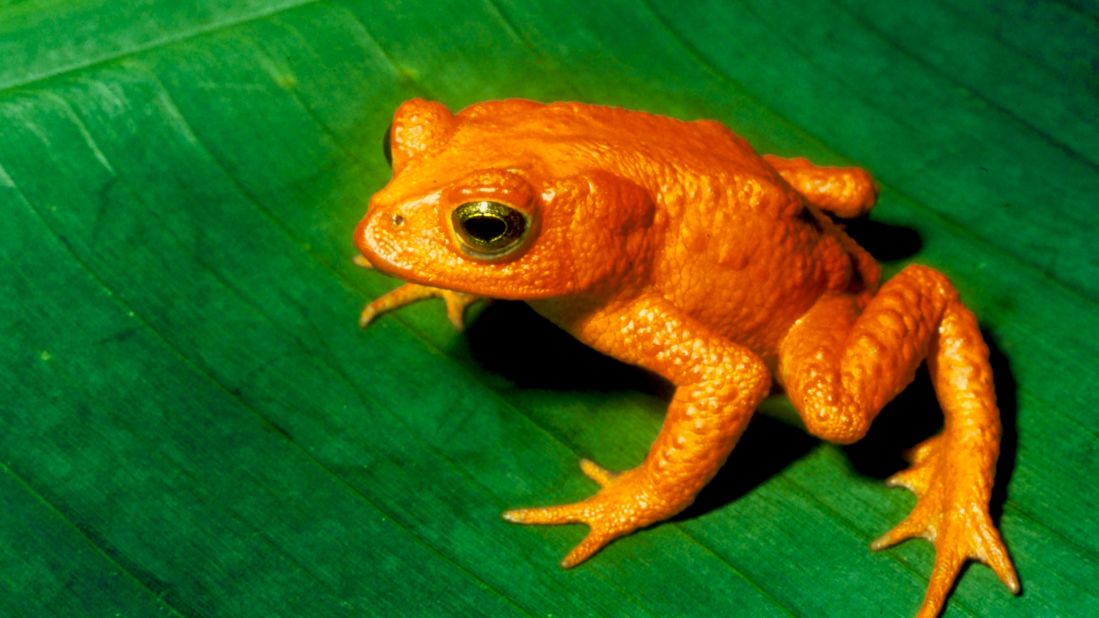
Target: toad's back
[{"x": 741, "y": 250}]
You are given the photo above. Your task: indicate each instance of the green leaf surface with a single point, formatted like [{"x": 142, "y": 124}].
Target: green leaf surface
[{"x": 191, "y": 424}]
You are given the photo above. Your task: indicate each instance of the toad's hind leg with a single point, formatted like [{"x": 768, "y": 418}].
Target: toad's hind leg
[
  {"x": 846, "y": 192},
  {"x": 840, "y": 365}
]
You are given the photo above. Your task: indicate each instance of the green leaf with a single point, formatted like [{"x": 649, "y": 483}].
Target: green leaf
[{"x": 192, "y": 424}]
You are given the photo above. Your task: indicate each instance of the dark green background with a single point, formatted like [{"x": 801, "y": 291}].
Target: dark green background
[{"x": 193, "y": 425}]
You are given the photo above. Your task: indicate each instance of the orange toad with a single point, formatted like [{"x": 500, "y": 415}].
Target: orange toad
[{"x": 673, "y": 246}]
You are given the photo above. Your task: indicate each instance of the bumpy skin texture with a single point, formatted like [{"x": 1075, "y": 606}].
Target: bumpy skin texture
[{"x": 675, "y": 247}]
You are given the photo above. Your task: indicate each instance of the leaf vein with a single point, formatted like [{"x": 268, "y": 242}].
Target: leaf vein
[
  {"x": 151, "y": 45},
  {"x": 942, "y": 221},
  {"x": 937, "y": 70},
  {"x": 207, "y": 374}
]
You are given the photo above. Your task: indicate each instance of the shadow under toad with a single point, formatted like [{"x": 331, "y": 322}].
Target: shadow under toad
[
  {"x": 887, "y": 243},
  {"x": 510, "y": 339}
]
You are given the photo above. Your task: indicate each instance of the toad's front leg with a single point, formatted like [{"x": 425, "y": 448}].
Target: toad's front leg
[
  {"x": 456, "y": 302},
  {"x": 718, "y": 386}
]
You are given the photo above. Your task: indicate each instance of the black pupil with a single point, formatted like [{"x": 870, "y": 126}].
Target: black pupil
[{"x": 485, "y": 228}]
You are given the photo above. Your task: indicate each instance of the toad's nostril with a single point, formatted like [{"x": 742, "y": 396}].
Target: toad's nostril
[{"x": 397, "y": 220}]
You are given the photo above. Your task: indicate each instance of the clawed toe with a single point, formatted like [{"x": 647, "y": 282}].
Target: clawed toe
[
  {"x": 595, "y": 541},
  {"x": 456, "y": 302},
  {"x": 956, "y": 521},
  {"x": 626, "y": 502},
  {"x": 577, "y": 513},
  {"x": 909, "y": 528},
  {"x": 597, "y": 473},
  {"x": 549, "y": 515}
]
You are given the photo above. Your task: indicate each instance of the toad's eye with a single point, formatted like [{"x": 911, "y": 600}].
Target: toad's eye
[
  {"x": 489, "y": 229},
  {"x": 387, "y": 147}
]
